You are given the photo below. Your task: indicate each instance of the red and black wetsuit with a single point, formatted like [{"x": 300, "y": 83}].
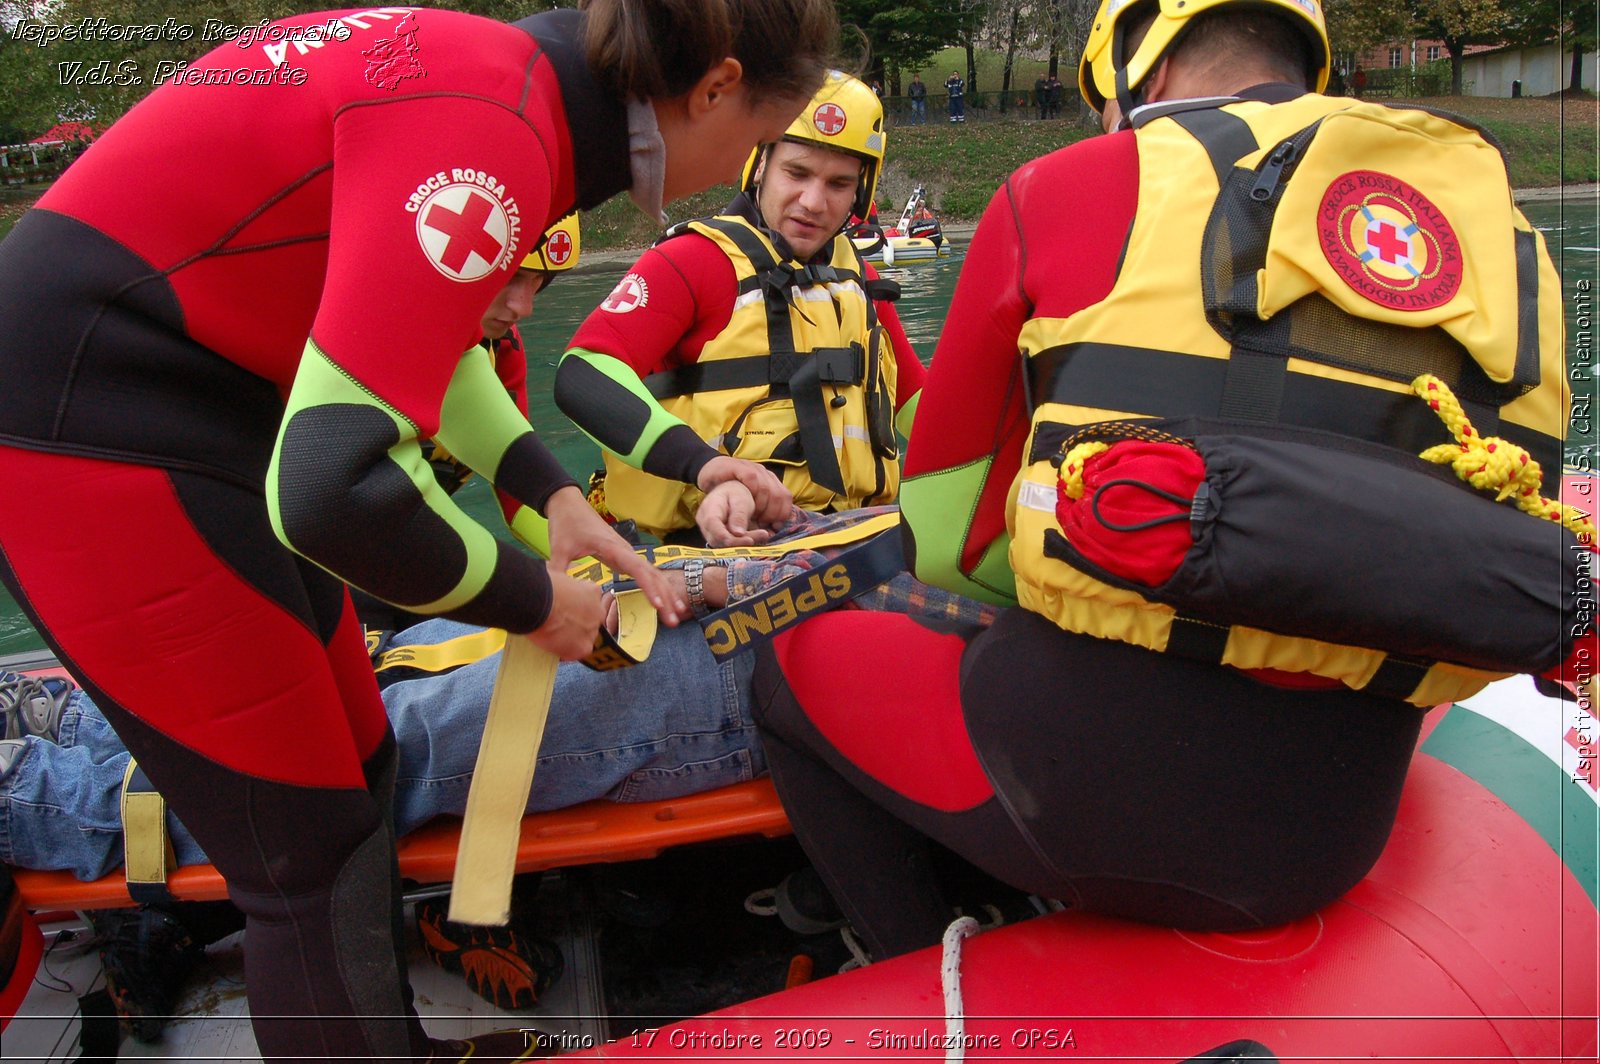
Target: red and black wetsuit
[
  {"x": 317, "y": 220},
  {"x": 690, "y": 292},
  {"x": 1118, "y": 780}
]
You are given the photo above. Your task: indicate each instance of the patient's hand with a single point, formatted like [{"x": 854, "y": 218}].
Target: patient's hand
[
  {"x": 727, "y": 517},
  {"x": 713, "y": 584},
  {"x": 772, "y": 501}
]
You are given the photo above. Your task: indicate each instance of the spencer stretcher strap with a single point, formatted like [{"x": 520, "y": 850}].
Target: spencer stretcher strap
[
  {"x": 486, "y": 860},
  {"x": 598, "y": 572},
  {"x": 852, "y": 573},
  {"x": 636, "y": 634},
  {"x": 508, "y": 754},
  {"x": 147, "y": 850}
]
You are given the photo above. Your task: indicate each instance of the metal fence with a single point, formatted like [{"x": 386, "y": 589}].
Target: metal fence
[
  {"x": 27, "y": 164},
  {"x": 1013, "y": 106}
]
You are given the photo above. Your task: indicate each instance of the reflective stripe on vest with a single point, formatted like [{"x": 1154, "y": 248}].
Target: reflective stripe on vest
[{"x": 800, "y": 339}]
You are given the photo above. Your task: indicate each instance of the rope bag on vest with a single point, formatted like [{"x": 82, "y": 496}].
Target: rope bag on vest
[{"x": 1292, "y": 506}]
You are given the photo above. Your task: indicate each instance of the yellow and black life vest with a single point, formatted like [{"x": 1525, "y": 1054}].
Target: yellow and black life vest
[
  {"x": 1343, "y": 249},
  {"x": 802, "y": 380}
]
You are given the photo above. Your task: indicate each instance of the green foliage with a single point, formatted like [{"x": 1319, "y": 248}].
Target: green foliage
[
  {"x": 1538, "y": 21},
  {"x": 1356, "y": 25},
  {"x": 901, "y": 36}
]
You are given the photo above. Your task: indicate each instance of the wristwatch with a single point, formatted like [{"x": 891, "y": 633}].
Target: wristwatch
[{"x": 694, "y": 571}]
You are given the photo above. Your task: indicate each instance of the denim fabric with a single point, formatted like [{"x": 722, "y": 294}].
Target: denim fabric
[
  {"x": 676, "y": 724},
  {"x": 60, "y": 805}
]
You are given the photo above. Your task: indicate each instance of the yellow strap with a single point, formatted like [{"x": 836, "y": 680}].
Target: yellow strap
[
  {"x": 507, "y": 755},
  {"x": 635, "y": 638},
  {"x": 146, "y": 848},
  {"x": 441, "y": 657},
  {"x": 589, "y": 569},
  {"x": 1491, "y": 463}
]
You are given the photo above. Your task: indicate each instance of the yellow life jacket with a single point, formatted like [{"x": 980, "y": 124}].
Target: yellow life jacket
[
  {"x": 802, "y": 380},
  {"x": 1342, "y": 248}
]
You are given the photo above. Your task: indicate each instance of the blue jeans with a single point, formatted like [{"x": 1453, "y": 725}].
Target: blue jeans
[
  {"x": 676, "y": 724},
  {"x": 919, "y": 112}
]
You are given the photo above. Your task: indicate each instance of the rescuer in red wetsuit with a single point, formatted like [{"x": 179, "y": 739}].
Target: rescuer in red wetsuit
[
  {"x": 758, "y": 335},
  {"x": 1154, "y": 786},
  {"x": 214, "y": 366}
]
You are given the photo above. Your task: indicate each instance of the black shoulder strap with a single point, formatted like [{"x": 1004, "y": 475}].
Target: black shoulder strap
[
  {"x": 804, "y": 373},
  {"x": 1227, "y": 138}
]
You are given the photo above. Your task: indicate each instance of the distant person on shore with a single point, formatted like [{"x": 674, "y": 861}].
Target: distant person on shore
[
  {"x": 1358, "y": 83},
  {"x": 957, "y": 89},
  {"x": 1055, "y": 94},
  {"x": 918, "y": 92},
  {"x": 1041, "y": 95}
]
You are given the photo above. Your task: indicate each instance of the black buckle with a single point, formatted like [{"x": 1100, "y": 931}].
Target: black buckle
[{"x": 840, "y": 365}]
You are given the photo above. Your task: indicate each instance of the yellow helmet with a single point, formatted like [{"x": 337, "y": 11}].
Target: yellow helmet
[
  {"x": 1100, "y": 78},
  {"x": 557, "y": 250},
  {"x": 845, "y": 116}
]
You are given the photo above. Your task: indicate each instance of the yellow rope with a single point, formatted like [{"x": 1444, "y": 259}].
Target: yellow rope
[
  {"x": 1491, "y": 463},
  {"x": 1071, "y": 479},
  {"x": 596, "y": 495}
]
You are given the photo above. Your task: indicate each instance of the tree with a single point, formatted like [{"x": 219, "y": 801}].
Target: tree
[
  {"x": 1011, "y": 55},
  {"x": 1354, "y": 25},
  {"x": 1459, "y": 23},
  {"x": 1571, "y": 23},
  {"x": 904, "y": 35}
]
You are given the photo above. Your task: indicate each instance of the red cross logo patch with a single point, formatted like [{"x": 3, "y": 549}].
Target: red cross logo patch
[
  {"x": 829, "y": 119},
  {"x": 463, "y": 231},
  {"x": 558, "y": 249},
  {"x": 1389, "y": 242},
  {"x": 630, "y": 294}
]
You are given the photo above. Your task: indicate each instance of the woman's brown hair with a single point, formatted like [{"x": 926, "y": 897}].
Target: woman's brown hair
[{"x": 658, "y": 49}]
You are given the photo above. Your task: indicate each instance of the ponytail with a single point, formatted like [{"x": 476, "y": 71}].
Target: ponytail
[{"x": 659, "y": 49}]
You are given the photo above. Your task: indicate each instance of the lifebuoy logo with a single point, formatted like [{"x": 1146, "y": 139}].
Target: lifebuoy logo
[
  {"x": 630, "y": 294},
  {"x": 1389, "y": 242},
  {"x": 466, "y": 223}
]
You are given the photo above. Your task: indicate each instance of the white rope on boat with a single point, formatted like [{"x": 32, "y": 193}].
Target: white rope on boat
[
  {"x": 955, "y": 1017},
  {"x": 858, "y": 955}
]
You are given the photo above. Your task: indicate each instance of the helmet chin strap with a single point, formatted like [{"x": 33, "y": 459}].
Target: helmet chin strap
[
  {"x": 1127, "y": 99},
  {"x": 777, "y": 238}
]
